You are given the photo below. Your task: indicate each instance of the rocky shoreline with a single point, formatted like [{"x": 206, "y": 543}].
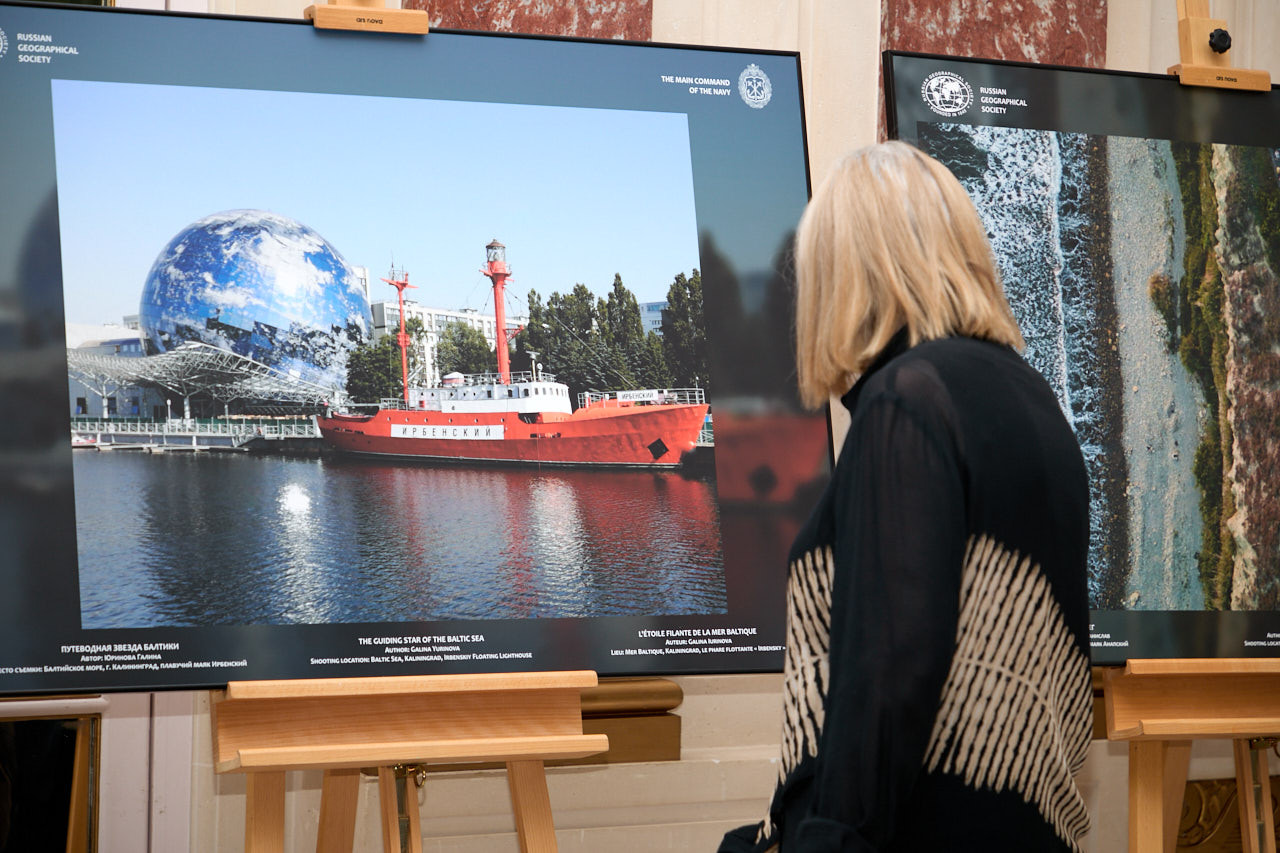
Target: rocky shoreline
[
  {"x": 1251, "y": 317},
  {"x": 1113, "y": 467}
]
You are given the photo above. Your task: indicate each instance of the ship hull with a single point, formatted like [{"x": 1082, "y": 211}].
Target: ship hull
[{"x": 631, "y": 437}]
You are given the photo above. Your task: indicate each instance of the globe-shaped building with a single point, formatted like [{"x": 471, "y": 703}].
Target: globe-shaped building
[{"x": 260, "y": 285}]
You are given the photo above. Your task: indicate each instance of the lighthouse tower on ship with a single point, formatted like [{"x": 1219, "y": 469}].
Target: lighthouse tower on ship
[
  {"x": 499, "y": 273},
  {"x": 524, "y": 418}
]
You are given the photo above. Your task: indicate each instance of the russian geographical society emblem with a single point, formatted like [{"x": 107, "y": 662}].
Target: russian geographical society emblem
[
  {"x": 946, "y": 94},
  {"x": 4, "y": 44},
  {"x": 754, "y": 87}
]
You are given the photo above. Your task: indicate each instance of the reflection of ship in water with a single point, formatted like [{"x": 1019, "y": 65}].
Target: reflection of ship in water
[
  {"x": 523, "y": 418},
  {"x": 312, "y": 544}
]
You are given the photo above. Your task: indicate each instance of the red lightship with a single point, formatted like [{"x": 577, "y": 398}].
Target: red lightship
[{"x": 523, "y": 418}]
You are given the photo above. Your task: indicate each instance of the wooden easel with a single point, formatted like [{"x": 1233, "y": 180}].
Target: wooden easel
[
  {"x": 1200, "y": 64},
  {"x": 265, "y": 728},
  {"x": 1160, "y": 707}
]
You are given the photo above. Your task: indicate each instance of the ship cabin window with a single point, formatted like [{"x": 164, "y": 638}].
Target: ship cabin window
[
  {"x": 511, "y": 392},
  {"x": 490, "y": 393},
  {"x": 526, "y": 392}
]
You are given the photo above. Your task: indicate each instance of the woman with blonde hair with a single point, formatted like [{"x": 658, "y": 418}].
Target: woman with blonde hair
[{"x": 937, "y": 691}]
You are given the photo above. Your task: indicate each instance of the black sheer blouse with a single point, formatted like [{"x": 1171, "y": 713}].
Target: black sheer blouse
[{"x": 937, "y": 691}]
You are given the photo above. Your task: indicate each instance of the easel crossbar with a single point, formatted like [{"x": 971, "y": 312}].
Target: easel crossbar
[
  {"x": 466, "y": 750},
  {"x": 409, "y": 684}
]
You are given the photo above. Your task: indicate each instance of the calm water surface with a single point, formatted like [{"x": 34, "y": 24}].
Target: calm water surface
[{"x": 183, "y": 539}]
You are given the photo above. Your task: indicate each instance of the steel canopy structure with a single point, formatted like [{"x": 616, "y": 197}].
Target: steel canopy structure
[{"x": 197, "y": 368}]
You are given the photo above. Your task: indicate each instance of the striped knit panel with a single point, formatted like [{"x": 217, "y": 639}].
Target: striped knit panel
[
  {"x": 1016, "y": 710},
  {"x": 804, "y": 685}
]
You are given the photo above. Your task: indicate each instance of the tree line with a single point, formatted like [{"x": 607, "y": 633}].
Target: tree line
[{"x": 589, "y": 343}]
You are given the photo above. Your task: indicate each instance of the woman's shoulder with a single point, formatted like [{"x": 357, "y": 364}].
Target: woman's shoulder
[
  {"x": 933, "y": 372},
  {"x": 921, "y": 376}
]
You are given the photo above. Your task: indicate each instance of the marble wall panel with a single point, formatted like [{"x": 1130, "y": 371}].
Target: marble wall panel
[
  {"x": 607, "y": 19},
  {"x": 1055, "y": 32}
]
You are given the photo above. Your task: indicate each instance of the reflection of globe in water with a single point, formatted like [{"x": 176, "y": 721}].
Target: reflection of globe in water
[{"x": 262, "y": 286}]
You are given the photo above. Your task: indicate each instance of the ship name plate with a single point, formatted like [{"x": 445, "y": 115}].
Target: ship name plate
[{"x": 458, "y": 432}]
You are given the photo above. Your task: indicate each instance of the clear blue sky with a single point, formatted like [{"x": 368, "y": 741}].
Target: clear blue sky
[{"x": 576, "y": 195}]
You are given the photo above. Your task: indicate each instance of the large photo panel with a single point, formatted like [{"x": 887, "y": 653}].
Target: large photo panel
[
  {"x": 364, "y": 354},
  {"x": 1135, "y": 225}
]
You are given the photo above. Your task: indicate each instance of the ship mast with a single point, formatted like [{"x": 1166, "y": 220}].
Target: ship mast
[
  {"x": 402, "y": 338},
  {"x": 497, "y": 270}
]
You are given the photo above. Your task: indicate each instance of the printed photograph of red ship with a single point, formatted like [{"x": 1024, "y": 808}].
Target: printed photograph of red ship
[
  {"x": 282, "y": 436},
  {"x": 520, "y": 418}
]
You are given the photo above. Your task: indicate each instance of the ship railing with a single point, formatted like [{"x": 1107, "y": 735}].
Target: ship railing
[
  {"x": 647, "y": 396},
  {"x": 516, "y": 376},
  {"x": 237, "y": 429}
]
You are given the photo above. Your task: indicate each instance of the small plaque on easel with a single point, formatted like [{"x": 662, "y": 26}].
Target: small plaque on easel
[{"x": 368, "y": 16}]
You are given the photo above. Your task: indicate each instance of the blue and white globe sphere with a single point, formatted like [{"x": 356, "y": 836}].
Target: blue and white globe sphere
[{"x": 260, "y": 285}]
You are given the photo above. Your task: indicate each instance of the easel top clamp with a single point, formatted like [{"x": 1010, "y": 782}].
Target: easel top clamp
[
  {"x": 368, "y": 16},
  {"x": 1204, "y": 47}
]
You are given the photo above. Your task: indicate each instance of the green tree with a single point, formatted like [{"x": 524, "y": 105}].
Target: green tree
[
  {"x": 373, "y": 371},
  {"x": 684, "y": 333},
  {"x": 463, "y": 348},
  {"x": 623, "y": 328},
  {"x": 651, "y": 367}
]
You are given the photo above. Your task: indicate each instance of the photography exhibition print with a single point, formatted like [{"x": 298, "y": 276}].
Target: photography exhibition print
[
  {"x": 1136, "y": 224},
  {"x": 374, "y": 354}
]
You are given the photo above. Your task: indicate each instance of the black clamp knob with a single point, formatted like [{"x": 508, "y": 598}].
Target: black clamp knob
[{"x": 1220, "y": 41}]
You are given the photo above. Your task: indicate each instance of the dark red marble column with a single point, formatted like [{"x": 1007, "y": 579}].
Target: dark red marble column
[
  {"x": 1059, "y": 32},
  {"x": 607, "y": 19}
]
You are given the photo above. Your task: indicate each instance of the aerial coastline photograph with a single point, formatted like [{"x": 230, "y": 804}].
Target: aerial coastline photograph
[{"x": 1148, "y": 316}]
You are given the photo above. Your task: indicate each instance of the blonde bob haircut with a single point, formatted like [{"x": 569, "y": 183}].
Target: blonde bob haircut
[{"x": 890, "y": 241}]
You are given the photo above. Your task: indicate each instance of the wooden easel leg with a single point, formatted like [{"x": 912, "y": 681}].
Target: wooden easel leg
[
  {"x": 1264, "y": 787},
  {"x": 398, "y": 796},
  {"x": 411, "y": 810},
  {"x": 1177, "y": 760},
  {"x": 532, "y": 806},
  {"x": 1244, "y": 796},
  {"x": 264, "y": 813},
  {"x": 1257, "y": 824},
  {"x": 339, "y": 798},
  {"x": 1157, "y": 780},
  {"x": 387, "y": 807},
  {"x": 81, "y": 772}
]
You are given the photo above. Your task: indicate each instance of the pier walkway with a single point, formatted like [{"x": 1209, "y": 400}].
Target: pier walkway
[{"x": 187, "y": 434}]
